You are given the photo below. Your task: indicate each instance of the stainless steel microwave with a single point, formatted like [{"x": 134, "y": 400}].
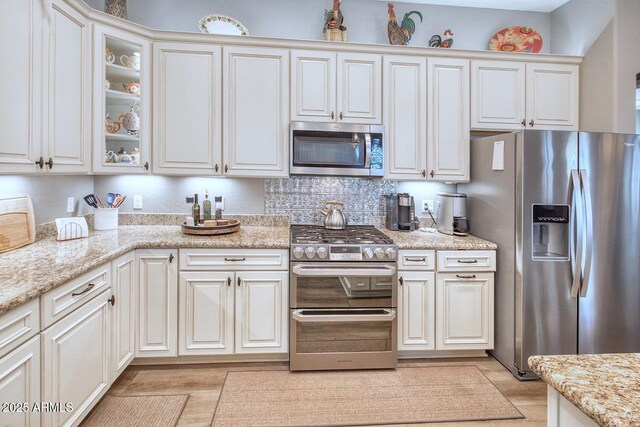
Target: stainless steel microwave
[{"x": 337, "y": 149}]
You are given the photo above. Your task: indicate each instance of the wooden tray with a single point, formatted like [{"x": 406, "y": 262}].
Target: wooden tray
[
  {"x": 199, "y": 230},
  {"x": 17, "y": 225}
]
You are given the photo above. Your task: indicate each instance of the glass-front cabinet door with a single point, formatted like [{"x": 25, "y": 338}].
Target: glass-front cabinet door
[{"x": 121, "y": 102}]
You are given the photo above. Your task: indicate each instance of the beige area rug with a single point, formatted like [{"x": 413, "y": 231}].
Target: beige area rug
[
  {"x": 404, "y": 395},
  {"x": 137, "y": 411}
]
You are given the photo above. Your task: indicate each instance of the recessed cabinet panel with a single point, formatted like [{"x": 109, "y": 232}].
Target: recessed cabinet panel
[
  {"x": 21, "y": 86},
  {"x": 206, "y": 312},
  {"x": 313, "y": 83},
  {"x": 416, "y": 310},
  {"x": 448, "y": 137},
  {"x": 123, "y": 287},
  {"x": 552, "y": 96},
  {"x": 256, "y": 112},
  {"x": 157, "y": 302},
  {"x": 261, "y": 312},
  {"x": 405, "y": 95},
  {"x": 497, "y": 95},
  {"x": 359, "y": 88},
  {"x": 20, "y": 383},
  {"x": 70, "y": 91},
  {"x": 187, "y": 113}
]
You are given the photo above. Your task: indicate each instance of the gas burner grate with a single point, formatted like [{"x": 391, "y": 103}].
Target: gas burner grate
[{"x": 354, "y": 234}]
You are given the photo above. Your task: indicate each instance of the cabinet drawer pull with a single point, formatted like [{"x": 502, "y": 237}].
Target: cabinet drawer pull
[
  {"x": 473, "y": 261},
  {"x": 235, "y": 259},
  {"x": 415, "y": 259},
  {"x": 401, "y": 281},
  {"x": 239, "y": 280},
  {"x": 216, "y": 168},
  {"x": 50, "y": 163},
  {"x": 340, "y": 115},
  {"x": 333, "y": 116},
  {"x": 146, "y": 166},
  {"x": 424, "y": 173},
  {"x": 112, "y": 300},
  {"x": 531, "y": 123},
  {"x": 40, "y": 162},
  {"x": 170, "y": 258},
  {"x": 84, "y": 291},
  {"x": 466, "y": 276},
  {"x": 226, "y": 168},
  {"x": 432, "y": 174},
  {"x": 524, "y": 122},
  {"x": 228, "y": 281}
]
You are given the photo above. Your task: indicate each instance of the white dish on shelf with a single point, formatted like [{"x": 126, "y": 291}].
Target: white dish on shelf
[{"x": 222, "y": 24}]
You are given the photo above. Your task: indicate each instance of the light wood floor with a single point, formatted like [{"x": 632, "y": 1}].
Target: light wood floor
[{"x": 204, "y": 383}]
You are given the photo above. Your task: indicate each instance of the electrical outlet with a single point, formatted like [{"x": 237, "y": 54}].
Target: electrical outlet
[
  {"x": 137, "y": 201},
  {"x": 71, "y": 204},
  {"x": 428, "y": 205}
]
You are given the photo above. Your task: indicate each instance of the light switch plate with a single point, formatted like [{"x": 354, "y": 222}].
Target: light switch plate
[
  {"x": 428, "y": 204},
  {"x": 137, "y": 201},
  {"x": 71, "y": 204}
]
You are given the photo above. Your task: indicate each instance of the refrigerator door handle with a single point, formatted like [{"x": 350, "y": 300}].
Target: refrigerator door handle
[
  {"x": 588, "y": 207},
  {"x": 578, "y": 211}
]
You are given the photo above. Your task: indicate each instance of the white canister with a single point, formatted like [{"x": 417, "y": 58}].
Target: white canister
[{"x": 105, "y": 219}]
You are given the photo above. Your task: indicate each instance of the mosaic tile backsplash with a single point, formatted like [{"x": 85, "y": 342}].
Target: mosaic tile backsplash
[{"x": 302, "y": 198}]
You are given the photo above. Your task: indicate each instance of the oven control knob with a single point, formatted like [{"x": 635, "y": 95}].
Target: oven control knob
[
  {"x": 298, "y": 252},
  {"x": 368, "y": 253},
  {"x": 310, "y": 252},
  {"x": 379, "y": 253},
  {"x": 391, "y": 253},
  {"x": 322, "y": 252}
]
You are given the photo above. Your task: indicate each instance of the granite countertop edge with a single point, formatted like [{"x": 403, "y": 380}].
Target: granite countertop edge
[{"x": 569, "y": 376}]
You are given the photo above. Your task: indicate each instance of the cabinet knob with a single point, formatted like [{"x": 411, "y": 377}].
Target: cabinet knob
[
  {"x": 112, "y": 300},
  {"x": 401, "y": 281},
  {"x": 226, "y": 168},
  {"x": 216, "y": 167},
  {"x": 333, "y": 116},
  {"x": 531, "y": 123},
  {"x": 239, "y": 280},
  {"x": 170, "y": 258},
  {"x": 340, "y": 115},
  {"x": 40, "y": 162},
  {"x": 524, "y": 122},
  {"x": 424, "y": 173},
  {"x": 432, "y": 174},
  {"x": 50, "y": 163},
  {"x": 228, "y": 281},
  {"x": 146, "y": 165}
]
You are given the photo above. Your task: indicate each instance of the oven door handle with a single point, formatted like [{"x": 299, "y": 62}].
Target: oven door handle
[
  {"x": 386, "y": 271},
  {"x": 388, "y": 316}
]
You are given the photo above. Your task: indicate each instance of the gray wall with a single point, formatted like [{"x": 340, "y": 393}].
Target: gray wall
[
  {"x": 49, "y": 193},
  {"x": 576, "y": 25},
  {"x": 366, "y": 20}
]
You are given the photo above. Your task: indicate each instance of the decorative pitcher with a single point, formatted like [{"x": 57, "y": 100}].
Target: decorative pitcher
[{"x": 131, "y": 121}]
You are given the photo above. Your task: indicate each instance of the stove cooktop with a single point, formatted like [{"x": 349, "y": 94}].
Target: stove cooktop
[{"x": 354, "y": 243}]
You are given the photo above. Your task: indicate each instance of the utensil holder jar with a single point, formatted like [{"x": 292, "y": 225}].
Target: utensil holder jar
[{"x": 105, "y": 219}]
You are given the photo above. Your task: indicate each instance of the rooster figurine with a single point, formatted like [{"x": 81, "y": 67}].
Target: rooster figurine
[
  {"x": 445, "y": 42},
  {"x": 401, "y": 34},
  {"x": 333, "y": 29}
]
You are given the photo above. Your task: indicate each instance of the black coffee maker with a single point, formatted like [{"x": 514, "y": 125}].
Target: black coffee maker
[{"x": 401, "y": 213}]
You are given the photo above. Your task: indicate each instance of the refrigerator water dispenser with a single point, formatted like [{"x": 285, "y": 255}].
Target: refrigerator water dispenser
[{"x": 550, "y": 232}]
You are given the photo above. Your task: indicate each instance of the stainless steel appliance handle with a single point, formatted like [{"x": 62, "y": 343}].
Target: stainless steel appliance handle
[
  {"x": 385, "y": 270},
  {"x": 588, "y": 207},
  {"x": 367, "y": 150},
  {"x": 387, "y": 316},
  {"x": 576, "y": 191}
]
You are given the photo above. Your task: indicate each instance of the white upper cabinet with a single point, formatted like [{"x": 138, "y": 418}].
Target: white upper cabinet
[
  {"x": 359, "y": 88},
  {"x": 552, "y": 96},
  {"x": 313, "y": 86},
  {"x": 343, "y": 87},
  {"x": 517, "y": 95},
  {"x": 448, "y": 120},
  {"x": 405, "y": 117},
  {"x": 69, "y": 138},
  {"x": 121, "y": 84},
  {"x": 187, "y": 116},
  {"x": 256, "y": 112},
  {"x": 497, "y": 95},
  {"x": 21, "y": 86}
]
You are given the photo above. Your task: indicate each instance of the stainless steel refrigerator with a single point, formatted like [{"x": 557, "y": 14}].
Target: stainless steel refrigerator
[{"x": 564, "y": 209}]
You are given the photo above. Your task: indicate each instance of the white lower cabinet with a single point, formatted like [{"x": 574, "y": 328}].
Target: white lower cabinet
[
  {"x": 20, "y": 384},
  {"x": 76, "y": 355},
  {"x": 123, "y": 286},
  {"x": 464, "y": 312},
  {"x": 157, "y": 303},
  {"x": 262, "y": 312},
  {"x": 416, "y": 310},
  {"x": 206, "y": 312}
]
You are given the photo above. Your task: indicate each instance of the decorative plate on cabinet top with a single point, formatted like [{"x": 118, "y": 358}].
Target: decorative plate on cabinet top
[
  {"x": 516, "y": 39},
  {"x": 222, "y": 24}
]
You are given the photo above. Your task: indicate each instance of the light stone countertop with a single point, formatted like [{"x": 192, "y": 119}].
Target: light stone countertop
[
  {"x": 606, "y": 387},
  {"x": 29, "y": 272},
  {"x": 46, "y": 264},
  {"x": 422, "y": 240}
]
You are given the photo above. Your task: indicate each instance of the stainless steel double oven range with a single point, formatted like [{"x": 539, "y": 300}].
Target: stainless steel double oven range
[{"x": 343, "y": 299}]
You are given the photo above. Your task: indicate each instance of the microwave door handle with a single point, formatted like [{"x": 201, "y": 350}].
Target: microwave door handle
[
  {"x": 388, "y": 316},
  {"x": 386, "y": 271},
  {"x": 367, "y": 150}
]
